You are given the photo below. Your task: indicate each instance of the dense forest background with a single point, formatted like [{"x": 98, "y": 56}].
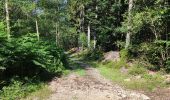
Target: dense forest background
[{"x": 34, "y": 35}]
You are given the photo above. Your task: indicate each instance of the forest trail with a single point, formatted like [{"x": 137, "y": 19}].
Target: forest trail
[{"x": 92, "y": 86}]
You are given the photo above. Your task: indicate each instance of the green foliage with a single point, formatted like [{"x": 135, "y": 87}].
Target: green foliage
[
  {"x": 167, "y": 66},
  {"x": 42, "y": 94},
  {"x": 93, "y": 55},
  {"x": 27, "y": 57},
  {"x": 83, "y": 40},
  {"x": 123, "y": 54},
  {"x": 18, "y": 90},
  {"x": 154, "y": 53},
  {"x": 12, "y": 92},
  {"x": 28, "y": 50},
  {"x": 80, "y": 72},
  {"x": 136, "y": 24},
  {"x": 137, "y": 70},
  {"x": 154, "y": 81},
  {"x": 67, "y": 21},
  {"x": 2, "y": 39},
  {"x": 123, "y": 59},
  {"x": 110, "y": 72},
  {"x": 2, "y": 31},
  {"x": 109, "y": 64}
]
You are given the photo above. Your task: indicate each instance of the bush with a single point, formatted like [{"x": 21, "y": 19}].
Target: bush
[
  {"x": 27, "y": 57},
  {"x": 83, "y": 40},
  {"x": 155, "y": 53},
  {"x": 123, "y": 54},
  {"x": 168, "y": 65},
  {"x": 27, "y": 52},
  {"x": 123, "y": 59},
  {"x": 137, "y": 70},
  {"x": 18, "y": 89},
  {"x": 93, "y": 55}
]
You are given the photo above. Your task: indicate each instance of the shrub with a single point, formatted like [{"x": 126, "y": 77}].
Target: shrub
[
  {"x": 27, "y": 57},
  {"x": 155, "y": 53},
  {"x": 137, "y": 70},
  {"x": 18, "y": 89},
  {"x": 123, "y": 59},
  {"x": 28, "y": 52},
  {"x": 124, "y": 54},
  {"x": 93, "y": 55},
  {"x": 168, "y": 65},
  {"x": 83, "y": 40}
]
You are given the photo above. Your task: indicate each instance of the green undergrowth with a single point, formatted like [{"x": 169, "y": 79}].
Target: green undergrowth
[
  {"x": 27, "y": 64},
  {"x": 146, "y": 82},
  {"x": 41, "y": 94},
  {"x": 18, "y": 89},
  {"x": 88, "y": 55}
]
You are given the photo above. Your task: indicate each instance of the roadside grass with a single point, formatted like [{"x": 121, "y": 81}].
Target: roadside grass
[
  {"x": 145, "y": 83},
  {"x": 80, "y": 72},
  {"x": 41, "y": 94},
  {"x": 112, "y": 74},
  {"x": 111, "y": 70}
]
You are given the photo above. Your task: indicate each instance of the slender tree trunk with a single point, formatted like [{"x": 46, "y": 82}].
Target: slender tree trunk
[
  {"x": 127, "y": 40},
  {"x": 153, "y": 28},
  {"x": 7, "y": 19},
  {"x": 95, "y": 41},
  {"x": 88, "y": 35},
  {"x": 37, "y": 29},
  {"x": 59, "y": 37},
  {"x": 57, "y": 34},
  {"x": 96, "y": 12},
  {"x": 129, "y": 27},
  {"x": 82, "y": 13}
]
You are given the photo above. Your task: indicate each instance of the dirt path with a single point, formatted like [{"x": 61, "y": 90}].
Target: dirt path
[{"x": 93, "y": 86}]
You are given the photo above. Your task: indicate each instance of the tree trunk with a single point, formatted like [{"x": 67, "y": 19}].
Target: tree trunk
[
  {"x": 82, "y": 13},
  {"x": 96, "y": 11},
  {"x": 95, "y": 41},
  {"x": 88, "y": 35},
  {"x": 129, "y": 27},
  {"x": 37, "y": 29},
  {"x": 57, "y": 34},
  {"x": 7, "y": 19},
  {"x": 57, "y": 37},
  {"x": 81, "y": 23}
]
